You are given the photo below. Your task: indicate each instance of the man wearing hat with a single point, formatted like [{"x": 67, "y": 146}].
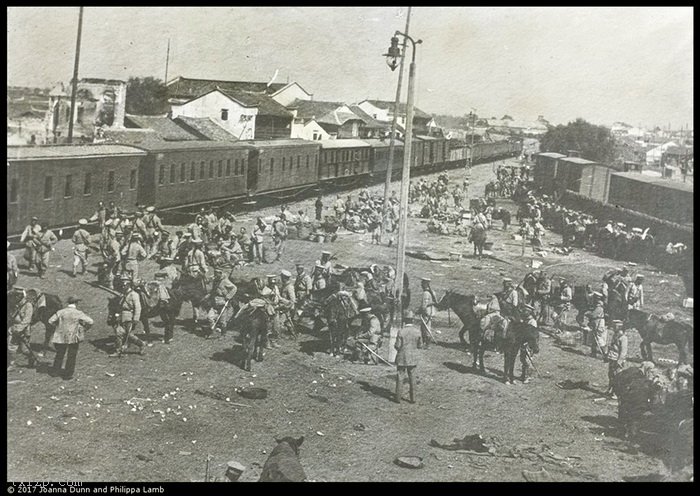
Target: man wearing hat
[
  {"x": 287, "y": 300},
  {"x": 223, "y": 290},
  {"x": 272, "y": 296},
  {"x": 617, "y": 353},
  {"x": 12, "y": 269},
  {"x": 132, "y": 255},
  {"x": 596, "y": 322},
  {"x": 426, "y": 311},
  {"x": 152, "y": 225},
  {"x": 70, "y": 326},
  {"x": 112, "y": 258},
  {"x": 509, "y": 303},
  {"x": 302, "y": 285},
  {"x": 20, "y": 326},
  {"x": 319, "y": 279},
  {"x": 44, "y": 246},
  {"x": 327, "y": 265},
  {"x": 635, "y": 294},
  {"x": 130, "y": 315},
  {"x": 81, "y": 245},
  {"x": 408, "y": 341},
  {"x": 370, "y": 335},
  {"x": 139, "y": 225},
  {"x": 29, "y": 237},
  {"x": 195, "y": 261},
  {"x": 279, "y": 234}
]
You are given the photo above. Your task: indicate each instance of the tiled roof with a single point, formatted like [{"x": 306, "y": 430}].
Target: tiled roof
[
  {"x": 336, "y": 118},
  {"x": 282, "y": 142},
  {"x": 166, "y": 146},
  {"x": 163, "y": 126},
  {"x": 307, "y": 109},
  {"x": 69, "y": 151},
  {"x": 132, "y": 137},
  {"x": 205, "y": 128},
  {"x": 383, "y": 104},
  {"x": 189, "y": 88},
  {"x": 370, "y": 121}
]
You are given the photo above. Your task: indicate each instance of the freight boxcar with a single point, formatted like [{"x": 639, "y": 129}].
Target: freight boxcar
[
  {"x": 380, "y": 157},
  {"x": 432, "y": 157},
  {"x": 341, "y": 159},
  {"x": 60, "y": 184},
  {"x": 661, "y": 198},
  {"x": 546, "y": 170},
  {"x": 187, "y": 173},
  {"x": 282, "y": 164}
]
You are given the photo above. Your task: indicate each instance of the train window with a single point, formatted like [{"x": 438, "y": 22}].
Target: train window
[
  {"x": 316, "y": 161},
  {"x": 272, "y": 165},
  {"x": 132, "y": 178},
  {"x": 13, "y": 190},
  {"x": 48, "y": 187},
  {"x": 87, "y": 185},
  {"x": 201, "y": 169},
  {"x": 228, "y": 167},
  {"x": 110, "y": 181},
  {"x": 193, "y": 172},
  {"x": 235, "y": 168},
  {"x": 211, "y": 169},
  {"x": 284, "y": 161},
  {"x": 183, "y": 172},
  {"x": 161, "y": 174},
  {"x": 220, "y": 169},
  {"x": 298, "y": 161},
  {"x": 172, "y": 173},
  {"x": 242, "y": 166},
  {"x": 307, "y": 161},
  {"x": 69, "y": 187}
]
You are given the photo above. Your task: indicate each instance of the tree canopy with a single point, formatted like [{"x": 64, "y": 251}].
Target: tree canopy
[
  {"x": 146, "y": 96},
  {"x": 593, "y": 142}
]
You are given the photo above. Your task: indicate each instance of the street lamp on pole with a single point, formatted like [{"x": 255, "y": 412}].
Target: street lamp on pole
[{"x": 392, "y": 60}]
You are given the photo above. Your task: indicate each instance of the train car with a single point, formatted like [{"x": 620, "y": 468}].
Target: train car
[
  {"x": 457, "y": 153},
  {"x": 569, "y": 173},
  {"x": 379, "y": 157},
  {"x": 595, "y": 181},
  {"x": 546, "y": 170},
  {"x": 432, "y": 155},
  {"x": 60, "y": 184},
  {"x": 282, "y": 164},
  {"x": 188, "y": 173},
  {"x": 652, "y": 195},
  {"x": 341, "y": 159}
]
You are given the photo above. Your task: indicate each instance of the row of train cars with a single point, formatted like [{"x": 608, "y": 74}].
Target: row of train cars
[{"x": 60, "y": 184}]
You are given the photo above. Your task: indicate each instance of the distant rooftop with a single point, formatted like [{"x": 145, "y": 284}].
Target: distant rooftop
[{"x": 182, "y": 87}]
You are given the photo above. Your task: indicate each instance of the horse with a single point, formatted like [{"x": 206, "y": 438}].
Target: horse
[
  {"x": 478, "y": 236},
  {"x": 253, "y": 323},
  {"x": 478, "y": 337},
  {"x": 45, "y": 306},
  {"x": 519, "y": 335},
  {"x": 503, "y": 215},
  {"x": 653, "y": 329},
  {"x": 463, "y": 307},
  {"x": 617, "y": 300},
  {"x": 490, "y": 189},
  {"x": 339, "y": 311},
  {"x": 381, "y": 302}
]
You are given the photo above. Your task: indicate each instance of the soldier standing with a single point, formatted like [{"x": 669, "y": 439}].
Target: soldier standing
[
  {"x": 21, "y": 327},
  {"x": 139, "y": 225},
  {"x": 81, "y": 245},
  {"x": 543, "y": 292},
  {"x": 274, "y": 298},
  {"x": 29, "y": 237},
  {"x": 319, "y": 208},
  {"x": 258, "y": 240},
  {"x": 153, "y": 227},
  {"x": 303, "y": 284},
  {"x": 130, "y": 315},
  {"x": 426, "y": 311},
  {"x": 617, "y": 354},
  {"x": 133, "y": 254},
  {"x": 635, "y": 294},
  {"x": 12, "y": 269},
  {"x": 287, "y": 301},
  {"x": 70, "y": 326},
  {"x": 100, "y": 216},
  {"x": 223, "y": 291},
  {"x": 524, "y": 351},
  {"x": 195, "y": 261},
  {"x": 327, "y": 265},
  {"x": 319, "y": 281},
  {"x": 510, "y": 299},
  {"x": 408, "y": 340},
  {"x": 45, "y": 245},
  {"x": 596, "y": 321},
  {"x": 280, "y": 235},
  {"x": 113, "y": 256}
]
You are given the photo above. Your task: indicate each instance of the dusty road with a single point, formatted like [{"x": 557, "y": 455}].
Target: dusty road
[{"x": 85, "y": 429}]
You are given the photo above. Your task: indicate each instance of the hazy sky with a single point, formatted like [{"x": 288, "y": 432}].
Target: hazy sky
[{"x": 602, "y": 64}]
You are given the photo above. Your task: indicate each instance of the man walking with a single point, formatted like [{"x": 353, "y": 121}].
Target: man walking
[
  {"x": 279, "y": 235},
  {"x": 153, "y": 229},
  {"x": 287, "y": 301},
  {"x": 408, "y": 341},
  {"x": 617, "y": 353},
  {"x": 130, "y": 306},
  {"x": 81, "y": 245},
  {"x": 426, "y": 311},
  {"x": 596, "y": 322},
  {"x": 45, "y": 245},
  {"x": 133, "y": 254},
  {"x": 70, "y": 326},
  {"x": 635, "y": 294},
  {"x": 29, "y": 238},
  {"x": 20, "y": 327},
  {"x": 195, "y": 261}
]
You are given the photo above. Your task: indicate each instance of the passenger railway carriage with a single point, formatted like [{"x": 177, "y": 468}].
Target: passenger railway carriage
[{"x": 60, "y": 184}]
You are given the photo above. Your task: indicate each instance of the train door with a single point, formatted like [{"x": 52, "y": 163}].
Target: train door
[{"x": 254, "y": 169}]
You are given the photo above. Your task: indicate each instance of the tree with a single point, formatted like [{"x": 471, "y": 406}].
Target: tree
[
  {"x": 506, "y": 117},
  {"x": 594, "y": 142},
  {"x": 146, "y": 96}
]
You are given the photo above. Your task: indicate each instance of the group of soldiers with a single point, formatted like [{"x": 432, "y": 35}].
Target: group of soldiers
[{"x": 364, "y": 214}]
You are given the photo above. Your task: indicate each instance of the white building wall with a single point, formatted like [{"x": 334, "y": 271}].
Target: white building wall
[
  {"x": 309, "y": 131},
  {"x": 240, "y": 121},
  {"x": 377, "y": 113}
]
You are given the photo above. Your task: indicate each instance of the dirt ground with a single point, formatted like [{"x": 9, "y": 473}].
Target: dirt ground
[{"x": 84, "y": 430}]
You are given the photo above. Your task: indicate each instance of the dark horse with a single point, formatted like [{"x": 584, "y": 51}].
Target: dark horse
[
  {"x": 520, "y": 338},
  {"x": 253, "y": 322},
  {"x": 652, "y": 329},
  {"x": 477, "y": 235},
  {"x": 381, "y": 302},
  {"x": 503, "y": 215},
  {"x": 45, "y": 306},
  {"x": 463, "y": 306}
]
